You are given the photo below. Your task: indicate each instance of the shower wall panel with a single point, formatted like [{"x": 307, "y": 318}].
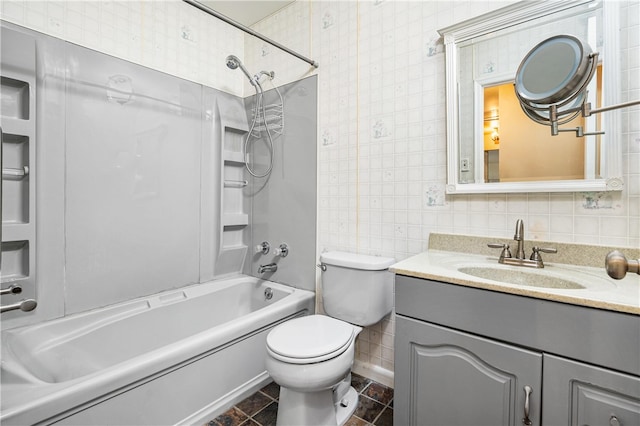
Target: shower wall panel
[{"x": 133, "y": 181}]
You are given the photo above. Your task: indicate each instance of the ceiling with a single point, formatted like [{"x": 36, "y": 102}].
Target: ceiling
[{"x": 246, "y": 12}]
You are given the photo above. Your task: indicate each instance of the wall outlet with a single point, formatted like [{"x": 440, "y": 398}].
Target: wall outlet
[{"x": 464, "y": 164}]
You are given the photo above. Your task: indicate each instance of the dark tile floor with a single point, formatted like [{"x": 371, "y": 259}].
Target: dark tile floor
[{"x": 375, "y": 406}]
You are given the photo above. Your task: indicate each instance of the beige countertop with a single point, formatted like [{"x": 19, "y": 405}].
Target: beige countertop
[{"x": 602, "y": 292}]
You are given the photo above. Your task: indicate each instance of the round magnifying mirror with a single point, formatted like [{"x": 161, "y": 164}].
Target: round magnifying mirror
[{"x": 554, "y": 70}]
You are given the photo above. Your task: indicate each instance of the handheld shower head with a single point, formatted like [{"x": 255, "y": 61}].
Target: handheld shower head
[{"x": 233, "y": 63}]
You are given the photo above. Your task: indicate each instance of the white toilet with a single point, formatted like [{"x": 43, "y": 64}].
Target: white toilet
[{"x": 311, "y": 357}]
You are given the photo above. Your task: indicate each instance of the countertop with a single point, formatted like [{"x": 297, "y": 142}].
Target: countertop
[{"x": 605, "y": 293}]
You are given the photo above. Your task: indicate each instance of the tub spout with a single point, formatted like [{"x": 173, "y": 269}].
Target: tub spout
[{"x": 271, "y": 267}]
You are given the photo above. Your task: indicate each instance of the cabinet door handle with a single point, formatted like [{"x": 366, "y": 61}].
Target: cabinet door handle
[{"x": 527, "y": 397}]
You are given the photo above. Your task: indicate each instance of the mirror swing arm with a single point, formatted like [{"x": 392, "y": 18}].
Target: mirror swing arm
[
  {"x": 587, "y": 111},
  {"x": 511, "y": 17}
]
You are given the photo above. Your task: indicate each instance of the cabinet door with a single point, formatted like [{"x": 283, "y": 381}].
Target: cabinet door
[
  {"x": 585, "y": 395},
  {"x": 446, "y": 377}
]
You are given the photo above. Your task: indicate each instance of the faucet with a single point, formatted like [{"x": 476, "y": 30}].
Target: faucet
[
  {"x": 519, "y": 238},
  {"x": 270, "y": 267},
  {"x": 520, "y": 259}
]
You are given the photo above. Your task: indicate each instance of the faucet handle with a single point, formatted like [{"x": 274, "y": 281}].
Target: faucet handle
[
  {"x": 282, "y": 251},
  {"x": 505, "y": 253},
  {"x": 535, "y": 252},
  {"x": 263, "y": 247}
]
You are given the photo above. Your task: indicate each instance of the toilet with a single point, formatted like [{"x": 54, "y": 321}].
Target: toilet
[{"x": 311, "y": 357}]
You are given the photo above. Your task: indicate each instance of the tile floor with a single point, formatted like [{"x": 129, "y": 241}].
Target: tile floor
[{"x": 375, "y": 406}]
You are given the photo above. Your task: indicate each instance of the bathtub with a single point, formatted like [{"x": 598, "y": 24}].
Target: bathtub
[{"x": 178, "y": 357}]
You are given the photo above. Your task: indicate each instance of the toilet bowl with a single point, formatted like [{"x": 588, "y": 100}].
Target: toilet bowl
[{"x": 311, "y": 357}]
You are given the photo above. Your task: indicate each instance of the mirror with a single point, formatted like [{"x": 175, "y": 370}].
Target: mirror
[{"x": 493, "y": 145}]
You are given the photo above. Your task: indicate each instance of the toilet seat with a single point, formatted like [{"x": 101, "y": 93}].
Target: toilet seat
[{"x": 310, "y": 339}]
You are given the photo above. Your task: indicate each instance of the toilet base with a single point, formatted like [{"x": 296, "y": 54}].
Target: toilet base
[
  {"x": 343, "y": 413},
  {"x": 315, "y": 408}
]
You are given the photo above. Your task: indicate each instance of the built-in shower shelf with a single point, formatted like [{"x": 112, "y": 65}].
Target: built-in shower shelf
[
  {"x": 235, "y": 219},
  {"x": 19, "y": 168},
  {"x": 16, "y": 231},
  {"x": 15, "y": 260},
  {"x": 16, "y": 126},
  {"x": 233, "y": 157}
]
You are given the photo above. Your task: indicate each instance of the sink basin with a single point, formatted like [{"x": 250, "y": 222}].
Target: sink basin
[
  {"x": 524, "y": 277},
  {"x": 553, "y": 277}
]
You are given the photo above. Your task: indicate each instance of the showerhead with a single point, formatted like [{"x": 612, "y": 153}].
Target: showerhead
[{"x": 233, "y": 63}]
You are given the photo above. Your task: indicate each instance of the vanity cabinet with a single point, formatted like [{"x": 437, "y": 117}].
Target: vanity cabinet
[
  {"x": 472, "y": 356},
  {"x": 459, "y": 379},
  {"x": 581, "y": 394}
]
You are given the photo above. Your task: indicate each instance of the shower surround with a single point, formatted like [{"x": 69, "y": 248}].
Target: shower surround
[{"x": 129, "y": 179}]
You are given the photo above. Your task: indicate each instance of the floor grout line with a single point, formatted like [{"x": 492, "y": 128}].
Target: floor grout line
[{"x": 229, "y": 420}]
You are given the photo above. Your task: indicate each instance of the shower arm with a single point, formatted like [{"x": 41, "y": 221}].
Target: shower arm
[{"x": 248, "y": 30}]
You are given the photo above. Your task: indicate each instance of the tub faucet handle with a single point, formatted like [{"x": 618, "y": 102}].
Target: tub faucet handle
[
  {"x": 282, "y": 251},
  {"x": 263, "y": 247}
]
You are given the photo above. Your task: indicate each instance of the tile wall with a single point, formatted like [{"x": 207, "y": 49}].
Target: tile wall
[
  {"x": 382, "y": 141},
  {"x": 170, "y": 36},
  {"x": 381, "y": 129}
]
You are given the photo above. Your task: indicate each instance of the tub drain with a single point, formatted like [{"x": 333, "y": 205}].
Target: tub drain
[{"x": 268, "y": 293}]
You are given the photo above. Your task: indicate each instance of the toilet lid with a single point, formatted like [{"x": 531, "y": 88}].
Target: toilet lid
[{"x": 313, "y": 338}]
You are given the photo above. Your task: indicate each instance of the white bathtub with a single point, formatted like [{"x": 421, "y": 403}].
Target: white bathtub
[{"x": 179, "y": 357}]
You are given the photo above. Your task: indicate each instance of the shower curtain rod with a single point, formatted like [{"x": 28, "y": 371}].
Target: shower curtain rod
[{"x": 248, "y": 30}]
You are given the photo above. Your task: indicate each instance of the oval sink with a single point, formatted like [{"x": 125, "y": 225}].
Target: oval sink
[{"x": 524, "y": 278}]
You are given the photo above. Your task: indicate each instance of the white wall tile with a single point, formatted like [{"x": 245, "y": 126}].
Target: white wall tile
[{"x": 170, "y": 36}]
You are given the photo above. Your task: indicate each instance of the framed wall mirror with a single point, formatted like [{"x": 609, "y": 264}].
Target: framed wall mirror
[{"x": 492, "y": 146}]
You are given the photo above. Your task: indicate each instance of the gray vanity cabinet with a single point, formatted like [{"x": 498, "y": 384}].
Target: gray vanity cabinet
[
  {"x": 459, "y": 379},
  {"x": 580, "y": 394},
  {"x": 463, "y": 356}
]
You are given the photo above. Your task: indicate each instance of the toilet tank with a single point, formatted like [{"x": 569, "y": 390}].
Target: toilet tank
[{"x": 356, "y": 288}]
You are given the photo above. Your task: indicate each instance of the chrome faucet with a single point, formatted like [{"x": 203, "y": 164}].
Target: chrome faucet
[
  {"x": 519, "y": 238},
  {"x": 535, "y": 261},
  {"x": 270, "y": 267}
]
